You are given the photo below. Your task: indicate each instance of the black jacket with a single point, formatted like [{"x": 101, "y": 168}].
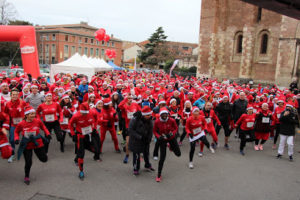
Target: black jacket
[
  {"x": 140, "y": 133},
  {"x": 224, "y": 112},
  {"x": 288, "y": 123},
  {"x": 239, "y": 107}
]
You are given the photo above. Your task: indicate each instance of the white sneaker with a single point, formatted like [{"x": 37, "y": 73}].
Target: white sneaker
[
  {"x": 200, "y": 154},
  {"x": 11, "y": 158},
  {"x": 211, "y": 150},
  {"x": 191, "y": 166},
  {"x": 155, "y": 158}
]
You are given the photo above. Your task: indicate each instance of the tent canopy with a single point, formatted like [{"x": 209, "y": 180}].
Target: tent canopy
[
  {"x": 80, "y": 65},
  {"x": 116, "y": 67}
]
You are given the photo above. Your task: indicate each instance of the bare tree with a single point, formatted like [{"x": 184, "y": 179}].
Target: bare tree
[{"x": 7, "y": 12}]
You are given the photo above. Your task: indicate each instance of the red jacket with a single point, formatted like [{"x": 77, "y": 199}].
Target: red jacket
[
  {"x": 83, "y": 124},
  {"x": 31, "y": 127},
  {"x": 15, "y": 110},
  {"x": 86, "y": 96},
  {"x": 128, "y": 110},
  {"x": 67, "y": 114},
  {"x": 194, "y": 123},
  {"x": 107, "y": 115},
  {"x": 162, "y": 128},
  {"x": 50, "y": 113},
  {"x": 208, "y": 118},
  {"x": 246, "y": 122},
  {"x": 277, "y": 112}
]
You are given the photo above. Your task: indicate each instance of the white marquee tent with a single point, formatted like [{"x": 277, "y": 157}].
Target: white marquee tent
[{"x": 80, "y": 65}]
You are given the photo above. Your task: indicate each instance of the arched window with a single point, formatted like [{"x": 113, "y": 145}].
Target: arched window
[
  {"x": 239, "y": 44},
  {"x": 264, "y": 43}
]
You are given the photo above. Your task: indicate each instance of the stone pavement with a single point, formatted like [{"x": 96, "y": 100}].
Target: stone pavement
[{"x": 224, "y": 175}]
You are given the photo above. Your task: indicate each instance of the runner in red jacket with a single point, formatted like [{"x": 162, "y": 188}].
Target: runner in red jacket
[
  {"x": 128, "y": 108},
  {"x": 51, "y": 114},
  {"x": 31, "y": 140},
  {"x": 276, "y": 115},
  {"x": 246, "y": 123},
  {"x": 5, "y": 148},
  {"x": 196, "y": 127},
  {"x": 83, "y": 130},
  {"x": 165, "y": 129}
]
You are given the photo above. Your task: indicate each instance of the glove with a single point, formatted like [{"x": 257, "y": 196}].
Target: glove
[
  {"x": 206, "y": 131},
  {"x": 169, "y": 135},
  {"x": 17, "y": 142},
  {"x": 74, "y": 138},
  {"x": 109, "y": 124},
  {"x": 49, "y": 137},
  {"x": 191, "y": 136},
  {"x": 115, "y": 114},
  {"x": 162, "y": 137}
]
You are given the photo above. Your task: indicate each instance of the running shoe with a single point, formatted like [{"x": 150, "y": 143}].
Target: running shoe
[
  {"x": 261, "y": 147},
  {"x": 200, "y": 154},
  {"x": 81, "y": 175},
  {"x": 27, "y": 180},
  {"x": 118, "y": 151},
  {"x": 11, "y": 159},
  {"x": 136, "y": 172},
  {"x": 226, "y": 146},
  {"x": 256, "y": 148},
  {"x": 278, "y": 156},
  {"x": 119, "y": 132},
  {"x": 158, "y": 179},
  {"x": 155, "y": 158},
  {"x": 211, "y": 149},
  {"x": 180, "y": 143},
  {"x": 291, "y": 158},
  {"x": 274, "y": 146},
  {"x": 242, "y": 152},
  {"x": 150, "y": 169},
  {"x": 191, "y": 165},
  {"x": 125, "y": 161},
  {"x": 214, "y": 145}
]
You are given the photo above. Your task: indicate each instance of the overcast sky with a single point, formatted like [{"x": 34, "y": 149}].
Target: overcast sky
[{"x": 133, "y": 20}]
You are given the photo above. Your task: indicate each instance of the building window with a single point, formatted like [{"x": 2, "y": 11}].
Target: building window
[
  {"x": 47, "y": 37},
  {"x": 264, "y": 43},
  {"x": 66, "y": 38},
  {"x": 53, "y": 49},
  {"x": 92, "y": 41},
  {"x": 97, "y": 52},
  {"x": 239, "y": 47},
  {"x": 92, "y": 52},
  {"x": 80, "y": 50},
  {"x": 41, "y": 48},
  {"x": 53, "y": 59},
  {"x": 73, "y": 50},
  {"x": 85, "y": 40},
  {"x": 86, "y": 51},
  {"x": 47, "y": 49},
  {"x": 259, "y": 12},
  {"x": 103, "y": 43},
  {"x": 97, "y": 42},
  {"x": 66, "y": 51},
  {"x": 102, "y": 52},
  {"x": 79, "y": 40},
  {"x": 185, "y": 48},
  {"x": 112, "y": 44},
  {"x": 108, "y": 44},
  {"x": 53, "y": 37}
]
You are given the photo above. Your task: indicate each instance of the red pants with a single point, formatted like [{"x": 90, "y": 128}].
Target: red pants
[
  {"x": 113, "y": 134},
  {"x": 262, "y": 136},
  {"x": 213, "y": 134},
  {"x": 5, "y": 148}
]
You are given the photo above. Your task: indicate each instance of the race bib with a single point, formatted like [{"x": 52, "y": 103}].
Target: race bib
[
  {"x": 197, "y": 131},
  {"x": 49, "y": 118},
  {"x": 86, "y": 130},
  {"x": 17, "y": 120},
  {"x": 254, "y": 110},
  {"x": 65, "y": 120},
  {"x": 130, "y": 115},
  {"x": 250, "y": 124},
  {"x": 175, "y": 116},
  {"x": 278, "y": 116},
  {"x": 265, "y": 120},
  {"x": 27, "y": 134},
  {"x": 247, "y": 136},
  {"x": 208, "y": 120}
]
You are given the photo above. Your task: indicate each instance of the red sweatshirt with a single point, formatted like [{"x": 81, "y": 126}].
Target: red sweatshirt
[
  {"x": 246, "y": 122},
  {"x": 208, "y": 118},
  {"x": 107, "y": 115},
  {"x": 15, "y": 110},
  {"x": 162, "y": 128},
  {"x": 128, "y": 110},
  {"x": 195, "y": 125},
  {"x": 31, "y": 128},
  {"x": 50, "y": 113},
  {"x": 277, "y": 112},
  {"x": 83, "y": 124}
]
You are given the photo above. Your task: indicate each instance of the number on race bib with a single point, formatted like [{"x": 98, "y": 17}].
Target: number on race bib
[
  {"x": 197, "y": 131},
  {"x": 27, "y": 134},
  {"x": 278, "y": 116},
  {"x": 130, "y": 115},
  {"x": 265, "y": 120},
  {"x": 208, "y": 120},
  {"x": 250, "y": 124},
  {"x": 49, "y": 118},
  {"x": 86, "y": 130},
  {"x": 65, "y": 120},
  {"x": 17, "y": 120}
]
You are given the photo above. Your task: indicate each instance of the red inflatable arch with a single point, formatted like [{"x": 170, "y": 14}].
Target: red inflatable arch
[{"x": 26, "y": 36}]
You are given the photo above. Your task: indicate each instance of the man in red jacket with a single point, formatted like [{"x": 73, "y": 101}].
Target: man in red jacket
[{"x": 165, "y": 129}]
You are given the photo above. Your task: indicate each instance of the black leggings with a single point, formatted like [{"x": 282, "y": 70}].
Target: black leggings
[
  {"x": 225, "y": 126},
  {"x": 183, "y": 135},
  {"x": 56, "y": 127},
  {"x": 246, "y": 136},
  {"x": 92, "y": 144},
  {"x": 137, "y": 158},
  {"x": 156, "y": 149},
  {"x": 277, "y": 131},
  {"x": 39, "y": 152},
  {"x": 163, "y": 151},
  {"x": 193, "y": 145}
]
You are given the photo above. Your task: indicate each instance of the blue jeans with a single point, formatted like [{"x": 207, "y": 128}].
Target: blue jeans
[{"x": 12, "y": 136}]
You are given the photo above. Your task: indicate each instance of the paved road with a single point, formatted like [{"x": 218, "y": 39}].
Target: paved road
[{"x": 225, "y": 175}]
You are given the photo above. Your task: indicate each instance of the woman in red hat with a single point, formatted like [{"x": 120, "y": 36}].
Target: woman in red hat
[
  {"x": 106, "y": 120},
  {"x": 5, "y": 148},
  {"x": 196, "y": 127},
  {"x": 185, "y": 113},
  {"x": 246, "y": 124},
  {"x": 51, "y": 114},
  {"x": 31, "y": 140},
  {"x": 83, "y": 130},
  {"x": 278, "y": 110}
]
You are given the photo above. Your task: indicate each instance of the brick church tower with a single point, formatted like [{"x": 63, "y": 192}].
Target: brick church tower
[{"x": 241, "y": 41}]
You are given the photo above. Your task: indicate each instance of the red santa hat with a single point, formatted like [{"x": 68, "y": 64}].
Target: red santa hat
[
  {"x": 91, "y": 95},
  {"x": 161, "y": 101},
  {"x": 98, "y": 101},
  {"x": 48, "y": 94},
  {"x": 195, "y": 108},
  {"x": 3, "y": 84},
  {"x": 91, "y": 87},
  {"x": 34, "y": 86},
  {"x": 163, "y": 110},
  {"x": 249, "y": 108},
  {"x": 289, "y": 105},
  {"x": 280, "y": 100},
  {"x": 172, "y": 100},
  {"x": 65, "y": 97},
  {"x": 146, "y": 111},
  {"x": 29, "y": 110},
  {"x": 106, "y": 101},
  {"x": 84, "y": 108}
]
